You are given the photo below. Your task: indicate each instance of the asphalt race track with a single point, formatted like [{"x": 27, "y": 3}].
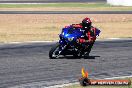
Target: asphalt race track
[
  {"x": 48, "y": 1},
  {"x": 65, "y": 12},
  {"x": 29, "y": 62}
]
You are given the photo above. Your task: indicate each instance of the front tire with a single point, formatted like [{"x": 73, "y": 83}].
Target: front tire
[{"x": 53, "y": 51}]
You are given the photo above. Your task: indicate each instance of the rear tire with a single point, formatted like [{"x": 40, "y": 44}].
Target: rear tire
[
  {"x": 88, "y": 50},
  {"x": 77, "y": 55},
  {"x": 52, "y": 51}
]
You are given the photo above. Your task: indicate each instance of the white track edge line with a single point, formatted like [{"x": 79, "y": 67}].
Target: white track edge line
[{"x": 58, "y": 40}]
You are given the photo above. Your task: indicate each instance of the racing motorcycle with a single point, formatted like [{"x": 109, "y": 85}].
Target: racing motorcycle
[{"x": 68, "y": 44}]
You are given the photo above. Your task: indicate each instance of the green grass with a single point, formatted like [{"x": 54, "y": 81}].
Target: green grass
[
  {"x": 67, "y": 6},
  {"x": 76, "y": 6},
  {"x": 88, "y": 5}
]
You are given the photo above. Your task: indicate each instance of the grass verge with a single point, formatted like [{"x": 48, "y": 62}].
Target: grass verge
[
  {"x": 65, "y": 6},
  {"x": 88, "y": 5}
]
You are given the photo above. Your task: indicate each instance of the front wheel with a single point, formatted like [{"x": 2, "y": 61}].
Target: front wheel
[{"x": 54, "y": 51}]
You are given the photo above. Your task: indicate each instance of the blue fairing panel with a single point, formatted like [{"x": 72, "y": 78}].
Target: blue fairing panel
[{"x": 97, "y": 32}]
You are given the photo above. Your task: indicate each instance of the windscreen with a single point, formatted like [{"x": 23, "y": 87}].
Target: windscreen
[{"x": 71, "y": 30}]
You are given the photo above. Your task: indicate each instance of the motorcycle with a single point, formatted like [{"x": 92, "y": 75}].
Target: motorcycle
[{"x": 68, "y": 44}]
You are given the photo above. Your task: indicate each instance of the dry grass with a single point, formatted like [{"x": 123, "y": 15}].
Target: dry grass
[{"x": 35, "y": 27}]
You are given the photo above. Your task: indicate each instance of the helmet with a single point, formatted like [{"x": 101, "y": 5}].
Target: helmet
[{"x": 86, "y": 23}]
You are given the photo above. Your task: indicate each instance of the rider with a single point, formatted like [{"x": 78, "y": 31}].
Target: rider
[{"x": 89, "y": 31}]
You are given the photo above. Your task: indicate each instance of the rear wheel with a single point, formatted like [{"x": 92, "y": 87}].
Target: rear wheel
[
  {"x": 54, "y": 51},
  {"x": 77, "y": 55},
  {"x": 88, "y": 50}
]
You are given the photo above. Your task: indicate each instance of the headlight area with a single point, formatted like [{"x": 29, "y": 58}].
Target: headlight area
[{"x": 71, "y": 39}]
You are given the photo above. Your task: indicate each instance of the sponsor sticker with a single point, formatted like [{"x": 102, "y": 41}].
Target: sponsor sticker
[{"x": 85, "y": 80}]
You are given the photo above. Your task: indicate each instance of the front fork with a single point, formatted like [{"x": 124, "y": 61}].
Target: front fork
[
  {"x": 61, "y": 47},
  {"x": 60, "y": 51}
]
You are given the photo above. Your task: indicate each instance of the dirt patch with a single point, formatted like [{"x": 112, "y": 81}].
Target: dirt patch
[{"x": 35, "y": 27}]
